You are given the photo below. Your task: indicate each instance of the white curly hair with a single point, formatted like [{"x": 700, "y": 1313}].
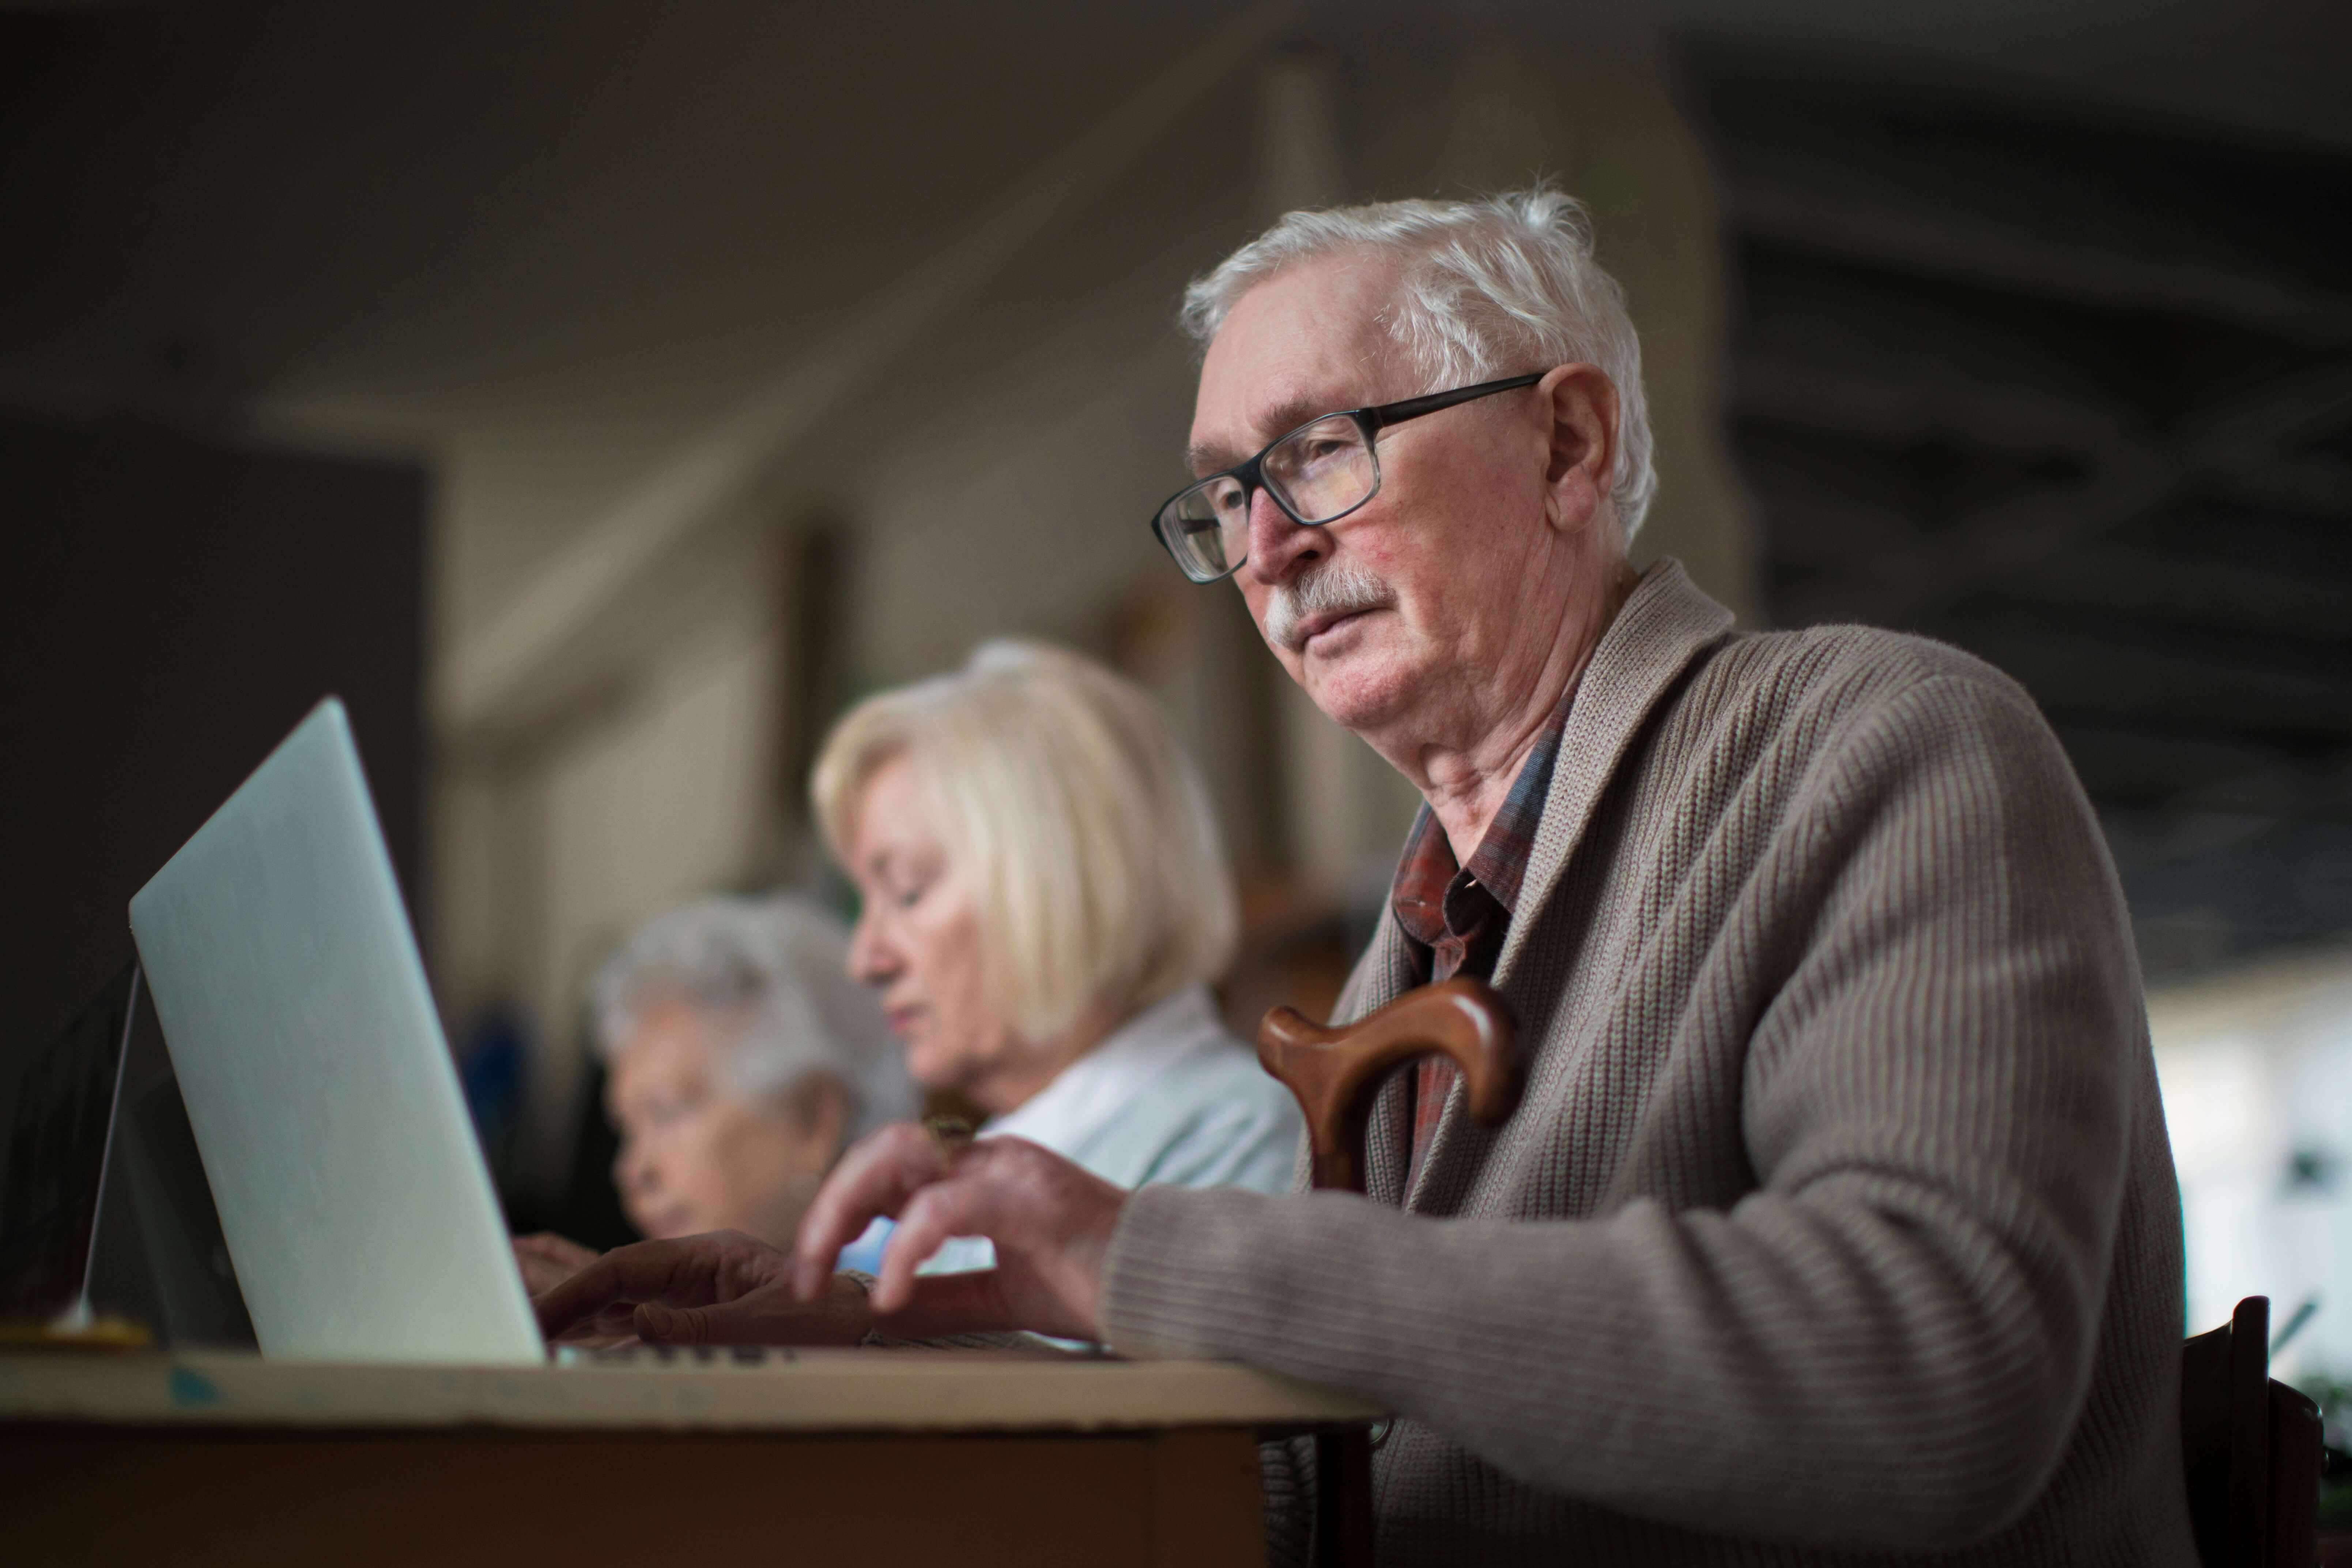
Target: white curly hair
[
  {"x": 775, "y": 969},
  {"x": 1489, "y": 288}
]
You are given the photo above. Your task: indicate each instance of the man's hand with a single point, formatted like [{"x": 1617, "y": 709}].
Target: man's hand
[
  {"x": 725, "y": 1287},
  {"x": 1050, "y": 1220},
  {"x": 548, "y": 1259}
]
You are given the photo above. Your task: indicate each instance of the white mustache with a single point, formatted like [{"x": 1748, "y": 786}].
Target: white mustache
[{"x": 1336, "y": 588}]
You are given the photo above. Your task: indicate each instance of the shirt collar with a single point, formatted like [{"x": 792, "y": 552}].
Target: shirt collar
[
  {"x": 1428, "y": 873},
  {"x": 1092, "y": 1091}
]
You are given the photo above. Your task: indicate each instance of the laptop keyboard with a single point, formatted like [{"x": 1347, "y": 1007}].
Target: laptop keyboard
[{"x": 677, "y": 1357}]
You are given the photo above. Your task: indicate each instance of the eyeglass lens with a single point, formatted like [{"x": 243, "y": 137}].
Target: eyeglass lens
[{"x": 1318, "y": 472}]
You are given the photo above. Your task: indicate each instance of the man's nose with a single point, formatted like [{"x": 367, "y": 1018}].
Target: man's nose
[
  {"x": 1278, "y": 547},
  {"x": 631, "y": 1171}
]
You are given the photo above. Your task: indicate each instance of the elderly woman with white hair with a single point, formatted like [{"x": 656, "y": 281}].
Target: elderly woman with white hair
[
  {"x": 1046, "y": 902},
  {"x": 741, "y": 1060}
]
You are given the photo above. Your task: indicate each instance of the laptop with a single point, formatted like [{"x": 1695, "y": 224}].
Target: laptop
[
  {"x": 57, "y": 1118},
  {"x": 107, "y": 1225},
  {"x": 352, "y": 1193},
  {"x": 158, "y": 1258}
]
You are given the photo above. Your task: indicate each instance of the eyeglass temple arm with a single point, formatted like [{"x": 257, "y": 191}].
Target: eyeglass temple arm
[{"x": 1389, "y": 413}]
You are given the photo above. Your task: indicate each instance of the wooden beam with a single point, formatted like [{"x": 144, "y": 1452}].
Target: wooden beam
[
  {"x": 1909, "y": 408},
  {"x": 2231, "y": 810},
  {"x": 1899, "y": 582},
  {"x": 2083, "y": 672},
  {"x": 1961, "y": 244},
  {"x": 2321, "y": 485},
  {"x": 2187, "y": 590}
]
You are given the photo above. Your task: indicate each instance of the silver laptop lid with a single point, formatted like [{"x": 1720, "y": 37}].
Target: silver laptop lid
[{"x": 352, "y": 1192}]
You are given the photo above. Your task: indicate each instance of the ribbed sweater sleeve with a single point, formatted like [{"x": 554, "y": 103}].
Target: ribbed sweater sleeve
[{"x": 1918, "y": 1006}]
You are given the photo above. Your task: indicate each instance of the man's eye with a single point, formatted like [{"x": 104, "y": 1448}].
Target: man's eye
[{"x": 1229, "y": 498}]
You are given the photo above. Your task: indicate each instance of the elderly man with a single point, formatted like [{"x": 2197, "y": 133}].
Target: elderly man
[{"x": 1837, "y": 1224}]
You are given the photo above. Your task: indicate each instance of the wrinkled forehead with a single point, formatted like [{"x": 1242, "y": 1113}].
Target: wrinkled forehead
[{"x": 1312, "y": 338}]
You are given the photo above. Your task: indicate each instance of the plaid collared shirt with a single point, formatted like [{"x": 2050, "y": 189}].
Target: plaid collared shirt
[{"x": 1460, "y": 913}]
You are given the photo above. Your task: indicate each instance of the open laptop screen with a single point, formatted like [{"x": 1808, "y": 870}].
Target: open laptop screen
[{"x": 352, "y": 1192}]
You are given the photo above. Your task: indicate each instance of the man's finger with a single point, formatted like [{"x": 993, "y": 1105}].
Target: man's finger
[
  {"x": 625, "y": 1274},
  {"x": 769, "y": 1317},
  {"x": 875, "y": 1178},
  {"x": 971, "y": 1303},
  {"x": 964, "y": 1205}
]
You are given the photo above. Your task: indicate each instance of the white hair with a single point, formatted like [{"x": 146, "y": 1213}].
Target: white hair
[
  {"x": 1060, "y": 792},
  {"x": 775, "y": 972},
  {"x": 1489, "y": 288}
]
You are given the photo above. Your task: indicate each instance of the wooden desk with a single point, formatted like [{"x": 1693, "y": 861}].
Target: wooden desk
[{"x": 835, "y": 1458}]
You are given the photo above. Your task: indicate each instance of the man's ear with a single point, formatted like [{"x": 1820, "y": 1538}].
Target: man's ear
[{"x": 1581, "y": 401}]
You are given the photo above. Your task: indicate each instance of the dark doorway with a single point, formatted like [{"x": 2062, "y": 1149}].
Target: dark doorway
[{"x": 173, "y": 605}]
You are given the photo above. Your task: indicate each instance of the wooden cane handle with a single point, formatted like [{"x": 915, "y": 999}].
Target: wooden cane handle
[{"x": 1337, "y": 1073}]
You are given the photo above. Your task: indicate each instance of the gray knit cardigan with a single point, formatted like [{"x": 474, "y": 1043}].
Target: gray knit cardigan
[{"x": 1838, "y": 1223}]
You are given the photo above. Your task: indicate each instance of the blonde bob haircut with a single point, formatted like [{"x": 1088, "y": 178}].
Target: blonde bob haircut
[{"x": 1066, "y": 802}]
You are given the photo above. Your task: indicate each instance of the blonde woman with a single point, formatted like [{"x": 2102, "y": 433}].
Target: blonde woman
[{"x": 1046, "y": 902}]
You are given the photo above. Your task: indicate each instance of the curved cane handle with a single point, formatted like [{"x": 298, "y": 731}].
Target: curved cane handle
[{"x": 1336, "y": 1074}]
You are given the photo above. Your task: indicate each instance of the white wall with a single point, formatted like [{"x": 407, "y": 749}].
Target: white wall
[
  {"x": 647, "y": 813},
  {"x": 2256, "y": 1066}
]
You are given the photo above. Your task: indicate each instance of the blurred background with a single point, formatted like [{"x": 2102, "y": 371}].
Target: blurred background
[{"x": 599, "y": 397}]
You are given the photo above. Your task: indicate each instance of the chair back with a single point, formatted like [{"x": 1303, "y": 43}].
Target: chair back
[{"x": 2250, "y": 1449}]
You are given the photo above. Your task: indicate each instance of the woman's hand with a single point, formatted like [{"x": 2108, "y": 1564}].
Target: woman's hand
[
  {"x": 1051, "y": 1220},
  {"x": 548, "y": 1259},
  {"x": 725, "y": 1287}
]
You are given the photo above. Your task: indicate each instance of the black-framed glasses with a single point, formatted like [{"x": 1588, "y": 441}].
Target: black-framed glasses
[{"x": 1317, "y": 474}]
